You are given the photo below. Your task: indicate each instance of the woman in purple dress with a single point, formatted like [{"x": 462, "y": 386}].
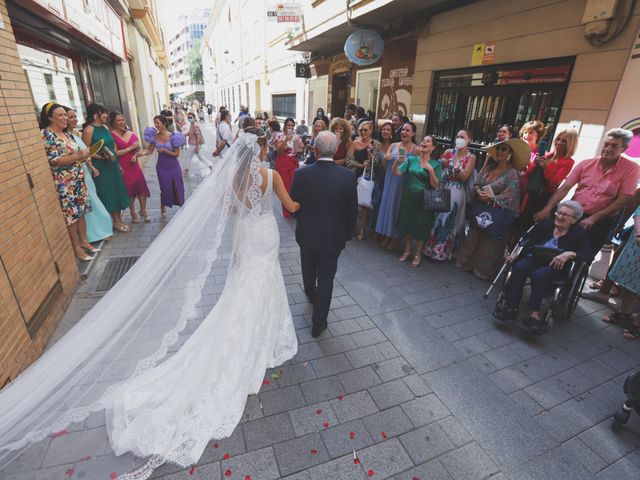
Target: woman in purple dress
[{"x": 168, "y": 167}]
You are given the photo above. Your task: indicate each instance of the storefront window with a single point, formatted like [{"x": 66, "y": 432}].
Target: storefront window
[
  {"x": 482, "y": 99},
  {"x": 284, "y": 105},
  {"x": 367, "y": 88}
]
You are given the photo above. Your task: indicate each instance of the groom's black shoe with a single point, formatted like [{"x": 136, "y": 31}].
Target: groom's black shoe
[{"x": 318, "y": 328}]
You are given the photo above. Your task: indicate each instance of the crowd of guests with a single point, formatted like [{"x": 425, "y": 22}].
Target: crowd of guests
[{"x": 517, "y": 185}]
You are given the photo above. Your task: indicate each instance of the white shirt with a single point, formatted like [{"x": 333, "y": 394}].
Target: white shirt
[{"x": 224, "y": 133}]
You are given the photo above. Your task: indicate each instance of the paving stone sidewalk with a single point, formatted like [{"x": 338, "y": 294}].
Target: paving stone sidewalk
[{"x": 413, "y": 375}]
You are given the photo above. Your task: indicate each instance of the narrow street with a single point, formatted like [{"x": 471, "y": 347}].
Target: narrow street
[{"x": 414, "y": 377}]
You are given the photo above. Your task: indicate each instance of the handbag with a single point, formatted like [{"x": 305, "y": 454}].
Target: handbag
[
  {"x": 494, "y": 220},
  {"x": 535, "y": 182},
  {"x": 436, "y": 200},
  {"x": 365, "y": 189}
]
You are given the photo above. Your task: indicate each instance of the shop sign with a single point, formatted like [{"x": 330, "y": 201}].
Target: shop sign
[
  {"x": 285, "y": 13},
  {"x": 483, "y": 54},
  {"x": 339, "y": 64},
  {"x": 364, "y": 47},
  {"x": 396, "y": 82}
]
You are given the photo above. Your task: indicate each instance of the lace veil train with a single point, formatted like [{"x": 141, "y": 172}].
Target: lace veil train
[{"x": 145, "y": 317}]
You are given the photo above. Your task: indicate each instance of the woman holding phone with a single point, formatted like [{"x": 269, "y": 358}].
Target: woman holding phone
[
  {"x": 386, "y": 224},
  {"x": 287, "y": 145}
]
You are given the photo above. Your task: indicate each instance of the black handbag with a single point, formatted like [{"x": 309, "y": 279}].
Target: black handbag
[
  {"x": 496, "y": 221},
  {"x": 536, "y": 182},
  {"x": 436, "y": 200}
]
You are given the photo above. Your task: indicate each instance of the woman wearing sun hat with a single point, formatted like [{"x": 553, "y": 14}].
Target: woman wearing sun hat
[{"x": 498, "y": 186}]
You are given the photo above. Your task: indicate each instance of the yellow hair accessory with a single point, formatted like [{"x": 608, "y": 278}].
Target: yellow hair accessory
[{"x": 48, "y": 106}]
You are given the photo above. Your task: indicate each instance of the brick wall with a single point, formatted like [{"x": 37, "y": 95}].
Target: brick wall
[{"x": 35, "y": 252}]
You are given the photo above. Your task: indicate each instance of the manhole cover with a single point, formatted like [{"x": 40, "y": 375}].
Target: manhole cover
[{"x": 114, "y": 271}]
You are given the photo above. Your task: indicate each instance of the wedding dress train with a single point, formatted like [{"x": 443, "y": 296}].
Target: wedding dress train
[{"x": 171, "y": 412}]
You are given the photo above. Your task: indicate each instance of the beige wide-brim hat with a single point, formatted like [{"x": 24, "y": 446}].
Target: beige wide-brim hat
[{"x": 521, "y": 152}]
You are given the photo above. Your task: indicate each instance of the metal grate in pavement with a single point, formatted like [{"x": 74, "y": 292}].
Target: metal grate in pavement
[{"x": 114, "y": 271}]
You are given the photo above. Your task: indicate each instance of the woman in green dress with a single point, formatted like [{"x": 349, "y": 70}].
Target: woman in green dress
[
  {"x": 422, "y": 173},
  {"x": 109, "y": 183}
]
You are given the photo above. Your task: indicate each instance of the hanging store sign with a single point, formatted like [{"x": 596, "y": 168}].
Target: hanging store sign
[
  {"x": 285, "y": 13},
  {"x": 483, "y": 54},
  {"x": 364, "y": 47}
]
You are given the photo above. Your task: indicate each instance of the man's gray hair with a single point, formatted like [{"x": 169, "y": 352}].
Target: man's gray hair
[
  {"x": 578, "y": 211},
  {"x": 326, "y": 144},
  {"x": 621, "y": 133}
]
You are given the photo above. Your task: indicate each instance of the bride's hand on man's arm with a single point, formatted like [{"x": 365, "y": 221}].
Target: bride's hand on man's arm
[{"x": 283, "y": 195}]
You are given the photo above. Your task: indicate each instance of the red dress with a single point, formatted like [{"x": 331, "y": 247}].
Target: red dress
[
  {"x": 132, "y": 175},
  {"x": 286, "y": 165}
]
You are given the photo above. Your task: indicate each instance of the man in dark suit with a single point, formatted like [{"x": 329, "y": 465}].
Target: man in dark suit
[{"x": 329, "y": 209}]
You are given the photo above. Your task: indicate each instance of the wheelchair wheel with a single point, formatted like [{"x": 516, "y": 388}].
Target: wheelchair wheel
[{"x": 567, "y": 300}]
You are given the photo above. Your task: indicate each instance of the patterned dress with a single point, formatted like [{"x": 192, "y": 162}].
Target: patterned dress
[
  {"x": 448, "y": 227},
  {"x": 481, "y": 253},
  {"x": 69, "y": 179},
  {"x": 626, "y": 271}
]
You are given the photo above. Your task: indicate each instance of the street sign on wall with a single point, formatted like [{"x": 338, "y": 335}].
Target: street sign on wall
[
  {"x": 285, "y": 13},
  {"x": 364, "y": 47}
]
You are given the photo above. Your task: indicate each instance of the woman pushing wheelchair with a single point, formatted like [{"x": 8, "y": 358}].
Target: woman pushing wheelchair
[{"x": 548, "y": 249}]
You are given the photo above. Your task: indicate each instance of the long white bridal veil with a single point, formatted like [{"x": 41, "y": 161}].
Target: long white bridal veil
[{"x": 145, "y": 317}]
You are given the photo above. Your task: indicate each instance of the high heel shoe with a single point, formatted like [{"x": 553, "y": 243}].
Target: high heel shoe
[
  {"x": 404, "y": 256},
  {"x": 416, "y": 260},
  {"x": 145, "y": 216},
  {"x": 84, "y": 257},
  {"x": 361, "y": 235}
]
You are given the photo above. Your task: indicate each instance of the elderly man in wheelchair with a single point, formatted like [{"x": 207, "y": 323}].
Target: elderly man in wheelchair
[{"x": 548, "y": 254}]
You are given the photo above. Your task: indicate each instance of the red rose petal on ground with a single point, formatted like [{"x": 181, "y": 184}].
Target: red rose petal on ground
[
  {"x": 352, "y": 435},
  {"x": 113, "y": 475},
  {"x": 356, "y": 461},
  {"x": 383, "y": 435},
  {"x": 340, "y": 397},
  {"x": 313, "y": 451},
  {"x": 318, "y": 411},
  {"x": 226, "y": 456},
  {"x": 215, "y": 445},
  {"x": 59, "y": 434},
  {"x": 371, "y": 473},
  {"x": 326, "y": 424},
  {"x": 265, "y": 382},
  {"x": 248, "y": 477},
  {"x": 192, "y": 470},
  {"x": 88, "y": 457},
  {"x": 69, "y": 473},
  {"x": 227, "y": 473},
  {"x": 415, "y": 478}
]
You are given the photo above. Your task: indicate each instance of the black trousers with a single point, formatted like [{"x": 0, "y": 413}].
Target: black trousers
[
  {"x": 599, "y": 233},
  {"x": 318, "y": 271}
]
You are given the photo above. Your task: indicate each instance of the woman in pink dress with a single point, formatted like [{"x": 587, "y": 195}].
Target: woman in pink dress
[{"x": 127, "y": 146}]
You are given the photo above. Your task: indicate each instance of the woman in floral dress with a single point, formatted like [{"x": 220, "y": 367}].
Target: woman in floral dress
[
  {"x": 458, "y": 166},
  {"x": 66, "y": 160}
]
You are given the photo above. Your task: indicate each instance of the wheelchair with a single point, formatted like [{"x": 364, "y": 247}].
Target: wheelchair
[{"x": 560, "y": 299}]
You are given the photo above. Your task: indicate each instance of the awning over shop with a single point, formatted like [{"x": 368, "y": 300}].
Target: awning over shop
[{"x": 385, "y": 16}]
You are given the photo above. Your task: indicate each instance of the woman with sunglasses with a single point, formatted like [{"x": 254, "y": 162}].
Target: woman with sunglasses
[
  {"x": 561, "y": 233},
  {"x": 362, "y": 158},
  {"x": 498, "y": 185}
]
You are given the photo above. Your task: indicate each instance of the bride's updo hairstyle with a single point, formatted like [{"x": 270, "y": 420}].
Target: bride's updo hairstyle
[{"x": 262, "y": 137}]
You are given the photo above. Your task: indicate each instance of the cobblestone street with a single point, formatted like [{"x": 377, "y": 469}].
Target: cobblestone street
[{"x": 413, "y": 375}]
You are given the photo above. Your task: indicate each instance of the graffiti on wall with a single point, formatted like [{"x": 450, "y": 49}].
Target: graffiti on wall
[{"x": 396, "y": 84}]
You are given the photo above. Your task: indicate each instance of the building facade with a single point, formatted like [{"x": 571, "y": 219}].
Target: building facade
[
  {"x": 246, "y": 61},
  {"x": 190, "y": 29},
  {"x": 478, "y": 64},
  {"x": 74, "y": 52}
]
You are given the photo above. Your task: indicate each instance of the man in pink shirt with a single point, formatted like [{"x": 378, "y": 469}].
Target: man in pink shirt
[{"x": 604, "y": 185}]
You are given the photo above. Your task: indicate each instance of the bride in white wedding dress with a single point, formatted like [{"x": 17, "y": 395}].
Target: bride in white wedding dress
[{"x": 169, "y": 411}]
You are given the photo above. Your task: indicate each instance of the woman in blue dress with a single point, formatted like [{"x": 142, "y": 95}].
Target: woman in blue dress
[
  {"x": 387, "y": 222},
  {"x": 626, "y": 273},
  {"x": 99, "y": 223}
]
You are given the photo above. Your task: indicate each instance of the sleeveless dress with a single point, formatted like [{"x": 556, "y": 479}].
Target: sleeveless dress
[
  {"x": 447, "y": 233},
  {"x": 286, "y": 164},
  {"x": 387, "y": 221},
  {"x": 109, "y": 184},
  {"x": 132, "y": 175},
  {"x": 199, "y": 394},
  {"x": 99, "y": 224},
  {"x": 169, "y": 174},
  {"x": 412, "y": 219}
]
